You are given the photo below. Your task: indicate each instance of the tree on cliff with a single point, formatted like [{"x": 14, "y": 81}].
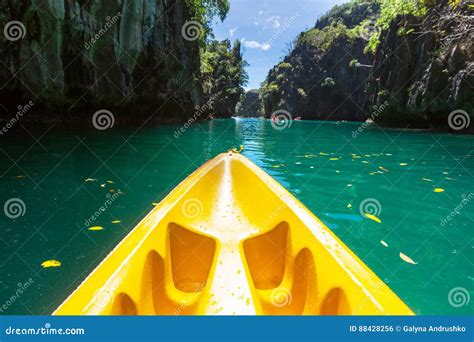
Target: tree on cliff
[{"x": 223, "y": 75}]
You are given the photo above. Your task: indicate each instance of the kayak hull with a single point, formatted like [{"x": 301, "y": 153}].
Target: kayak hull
[{"x": 230, "y": 240}]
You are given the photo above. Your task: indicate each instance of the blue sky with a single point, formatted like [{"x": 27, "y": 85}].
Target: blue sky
[{"x": 266, "y": 27}]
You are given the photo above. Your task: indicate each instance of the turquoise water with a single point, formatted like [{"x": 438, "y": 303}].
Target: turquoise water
[{"x": 392, "y": 172}]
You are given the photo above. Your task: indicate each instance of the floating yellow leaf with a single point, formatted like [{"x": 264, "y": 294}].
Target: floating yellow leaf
[
  {"x": 334, "y": 158},
  {"x": 96, "y": 228},
  {"x": 365, "y": 162},
  {"x": 110, "y": 182},
  {"x": 384, "y": 243},
  {"x": 116, "y": 221},
  {"x": 90, "y": 180},
  {"x": 427, "y": 179},
  {"x": 155, "y": 204},
  {"x": 349, "y": 205},
  {"x": 112, "y": 191},
  {"x": 383, "y": 169},
  {"x": 403, "y": 164},
  {"x": 373, "y": 217},
  {"x": 51, "y": 263},
  {"x": 20, "y": 176},
  {"x": 102, "y": 185},
  {"x": 438, "y": 190},
  {"x": 407, "y": 259},
  {"x": 323, "y": 154}
]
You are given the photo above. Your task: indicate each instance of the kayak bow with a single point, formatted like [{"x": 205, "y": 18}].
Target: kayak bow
[{"x": 231, "y": 240}]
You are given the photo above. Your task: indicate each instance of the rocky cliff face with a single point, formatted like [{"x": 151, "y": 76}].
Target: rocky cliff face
[
  {"x": 320, "y": 85},
  {"x": 421, "y": 72},
  {"x": 249, "y": 104},
  {"x": 424, "y": 69},
  {"x": 320, "y": 78},
  {"x": 75, "y": 57}
]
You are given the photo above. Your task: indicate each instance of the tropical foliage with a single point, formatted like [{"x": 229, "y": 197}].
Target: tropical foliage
[{"x": 223, "y": 75}]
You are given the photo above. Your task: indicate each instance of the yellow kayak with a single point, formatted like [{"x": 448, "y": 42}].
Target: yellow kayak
[{"x": 230, "y": 240}]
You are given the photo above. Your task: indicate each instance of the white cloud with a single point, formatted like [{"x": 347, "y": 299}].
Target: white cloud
[
  {"x": 253, "y": 44},
  {"x": 232, "y": 31},
  {"x": 273, "y": 22}
]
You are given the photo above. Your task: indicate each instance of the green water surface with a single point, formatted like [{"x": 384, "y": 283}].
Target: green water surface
[{"x": 331, "y": 170}]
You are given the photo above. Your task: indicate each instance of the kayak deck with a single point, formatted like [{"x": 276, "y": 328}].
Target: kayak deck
[{"x": 229, "y": 240}]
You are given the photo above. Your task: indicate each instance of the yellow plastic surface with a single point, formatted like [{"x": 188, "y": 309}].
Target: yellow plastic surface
[{"x": 230, "y": 240}]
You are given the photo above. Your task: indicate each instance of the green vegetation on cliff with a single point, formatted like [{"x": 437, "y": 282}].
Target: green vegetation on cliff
[{"x": 223, "y": 76}]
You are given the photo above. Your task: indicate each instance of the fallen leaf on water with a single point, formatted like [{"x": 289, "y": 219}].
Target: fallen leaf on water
[
  {"x": 384, "y": 243},
  {"x": 333, "y": 158},
  {"x": 383, "y": 169},
  {"x": 427, "y": 179},
  {"x": 407, "y": 259},
  {"x": 298, "y": 163},
  {"x": 337, "y": 171},
  {"x": 373, "y": 217},
  {"x": 323, "y": 154},
  {"x": 110, "y": 182},
  {"x": 102, "y": 185},
  {"x": 96, "y": 228},
  {"x": 112, "y": 191},
  {"x": 90, "y": 180},
  {"x": 116, "y": 221},
  {"x": 276, "y": 166},
  {"x": 20, "y": 176},
  {"x": 155, "y": 204},
  {"x": 51, "y": 263},
  {"x": 349, "y": 205},
  {"x": 365, "y": 162},
  {"x": 438, "y": 190},
  {"x": 403, "y": 164}
]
